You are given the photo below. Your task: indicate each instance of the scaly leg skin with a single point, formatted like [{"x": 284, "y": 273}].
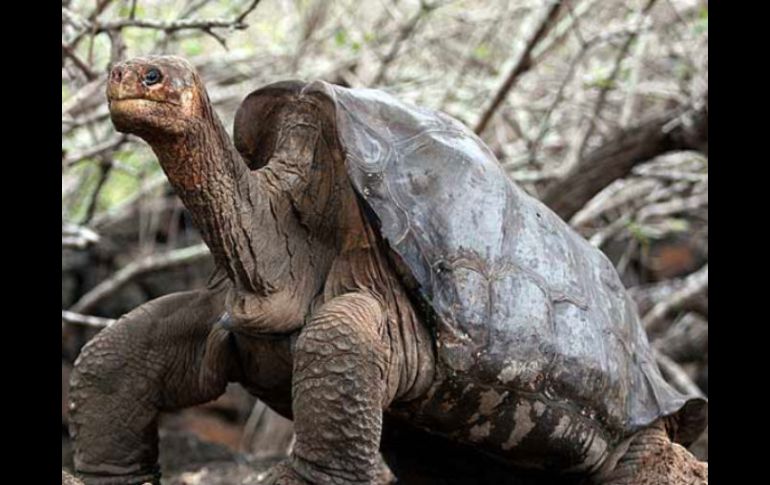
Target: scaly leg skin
[
  {"x": 653, "y": 459},
  {"x": 151, "y": 360},
  {"x": 338, "y": 391}
]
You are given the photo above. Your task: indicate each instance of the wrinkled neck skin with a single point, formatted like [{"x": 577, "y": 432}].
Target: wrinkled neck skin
[
  {"x": 213, "y": 184},
  {"x": 259, "y": 225}
]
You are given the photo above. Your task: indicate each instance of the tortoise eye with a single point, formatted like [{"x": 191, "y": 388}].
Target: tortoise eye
[{"x": 152, "y": 76}]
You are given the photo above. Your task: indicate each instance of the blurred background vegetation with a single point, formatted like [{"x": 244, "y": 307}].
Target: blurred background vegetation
[{"x": 597, "y": 107}]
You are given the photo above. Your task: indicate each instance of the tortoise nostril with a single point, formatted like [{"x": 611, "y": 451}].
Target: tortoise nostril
[{"x": 116, "y": 75}]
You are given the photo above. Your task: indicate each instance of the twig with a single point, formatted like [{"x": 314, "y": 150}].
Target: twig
[
  {"x": 522, "y": 65},
  {"x": 77, "y": 237},
  {"x": 606, "y": 87},
  {"x": 93, "y": 26},
  {"x": 615, "y": 195},
  {"x": 105, "y": 167},
  {"x": 561, "y": 30},
  {"x": 545, "y": 122},
  {"x": 84, "y": 96},
  {"x": 602, "y": 236},
  {"x": 193, "y": 7},
  {"x": 674, "y": 206},
  {"x": 242, "y": 17},
  {"x": 87, "y": 71},
  {"x": 469, "y": 57},
  {"x": 88, "y": 320},
  {"x": 155, "y": 262},
  {"x": 105, "y": 148},
  {"x": 170, "y": 26},
  {"x": 629, "y": 106},
  {"x": 403, "y": 35},
  {"x": 314, "y": 18},
  {"x": 695, "y": 284}
]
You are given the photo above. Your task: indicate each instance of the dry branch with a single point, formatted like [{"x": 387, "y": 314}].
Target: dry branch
[
  {"x": 80, "y": 64},
  {"x": 674, "y": 206},
  {"x": 607, "y": 86},
  {"x": 104, "y": 148},
  {"x": 170, "y": 26},
  {"x": 105, "y": 167},
  {"x": 96, "y": 27},
  {"x": 403, "y": 34},
  {"x": 77, "y": 237},
  {"x": 617, "y": 195},
  {"x": 522, "y": 65},
  {"x": 618, "y": 156},
  {"x": 155, "y": 262},
  {"x": 695, "y": 284},
  {"x": 87, "y": 320}
]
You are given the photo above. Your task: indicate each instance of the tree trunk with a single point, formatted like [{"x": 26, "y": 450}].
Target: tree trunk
[{"x": 619, "y": 154}]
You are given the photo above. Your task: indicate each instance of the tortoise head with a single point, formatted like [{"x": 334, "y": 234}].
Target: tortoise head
[{"x": 156, "y": 96}]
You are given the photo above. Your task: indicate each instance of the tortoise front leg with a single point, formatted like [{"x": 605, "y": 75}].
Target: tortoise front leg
[
  {"x": 338, "y": 392},
  {"x": 151, "y": 360}
]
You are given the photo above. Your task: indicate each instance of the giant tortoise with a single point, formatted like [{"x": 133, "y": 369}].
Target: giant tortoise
[{"x": 373, "y": 259}]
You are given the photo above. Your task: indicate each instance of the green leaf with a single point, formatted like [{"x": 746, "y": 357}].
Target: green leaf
[
  {"x": 639, "y": 233},
  {"x": 602, "y": 83},
  {"x": 340, "y": 37},
  {"x": 481, "y": 51}
]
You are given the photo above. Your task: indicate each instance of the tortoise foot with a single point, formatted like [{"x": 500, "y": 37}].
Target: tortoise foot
[{"x": 653, "y": 459}]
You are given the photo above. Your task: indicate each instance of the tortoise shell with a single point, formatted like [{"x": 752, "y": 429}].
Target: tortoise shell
[{"x": 511, "y": 292}]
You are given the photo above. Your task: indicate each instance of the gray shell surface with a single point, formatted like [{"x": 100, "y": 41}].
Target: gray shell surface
[{"x": 516, "y": 296}]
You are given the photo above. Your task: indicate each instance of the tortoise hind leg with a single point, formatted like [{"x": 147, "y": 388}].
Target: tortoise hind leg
[{"x": 651, "y": 458}]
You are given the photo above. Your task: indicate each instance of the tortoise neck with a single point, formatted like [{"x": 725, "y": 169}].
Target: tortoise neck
[{"x": 215, "y": 185}]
